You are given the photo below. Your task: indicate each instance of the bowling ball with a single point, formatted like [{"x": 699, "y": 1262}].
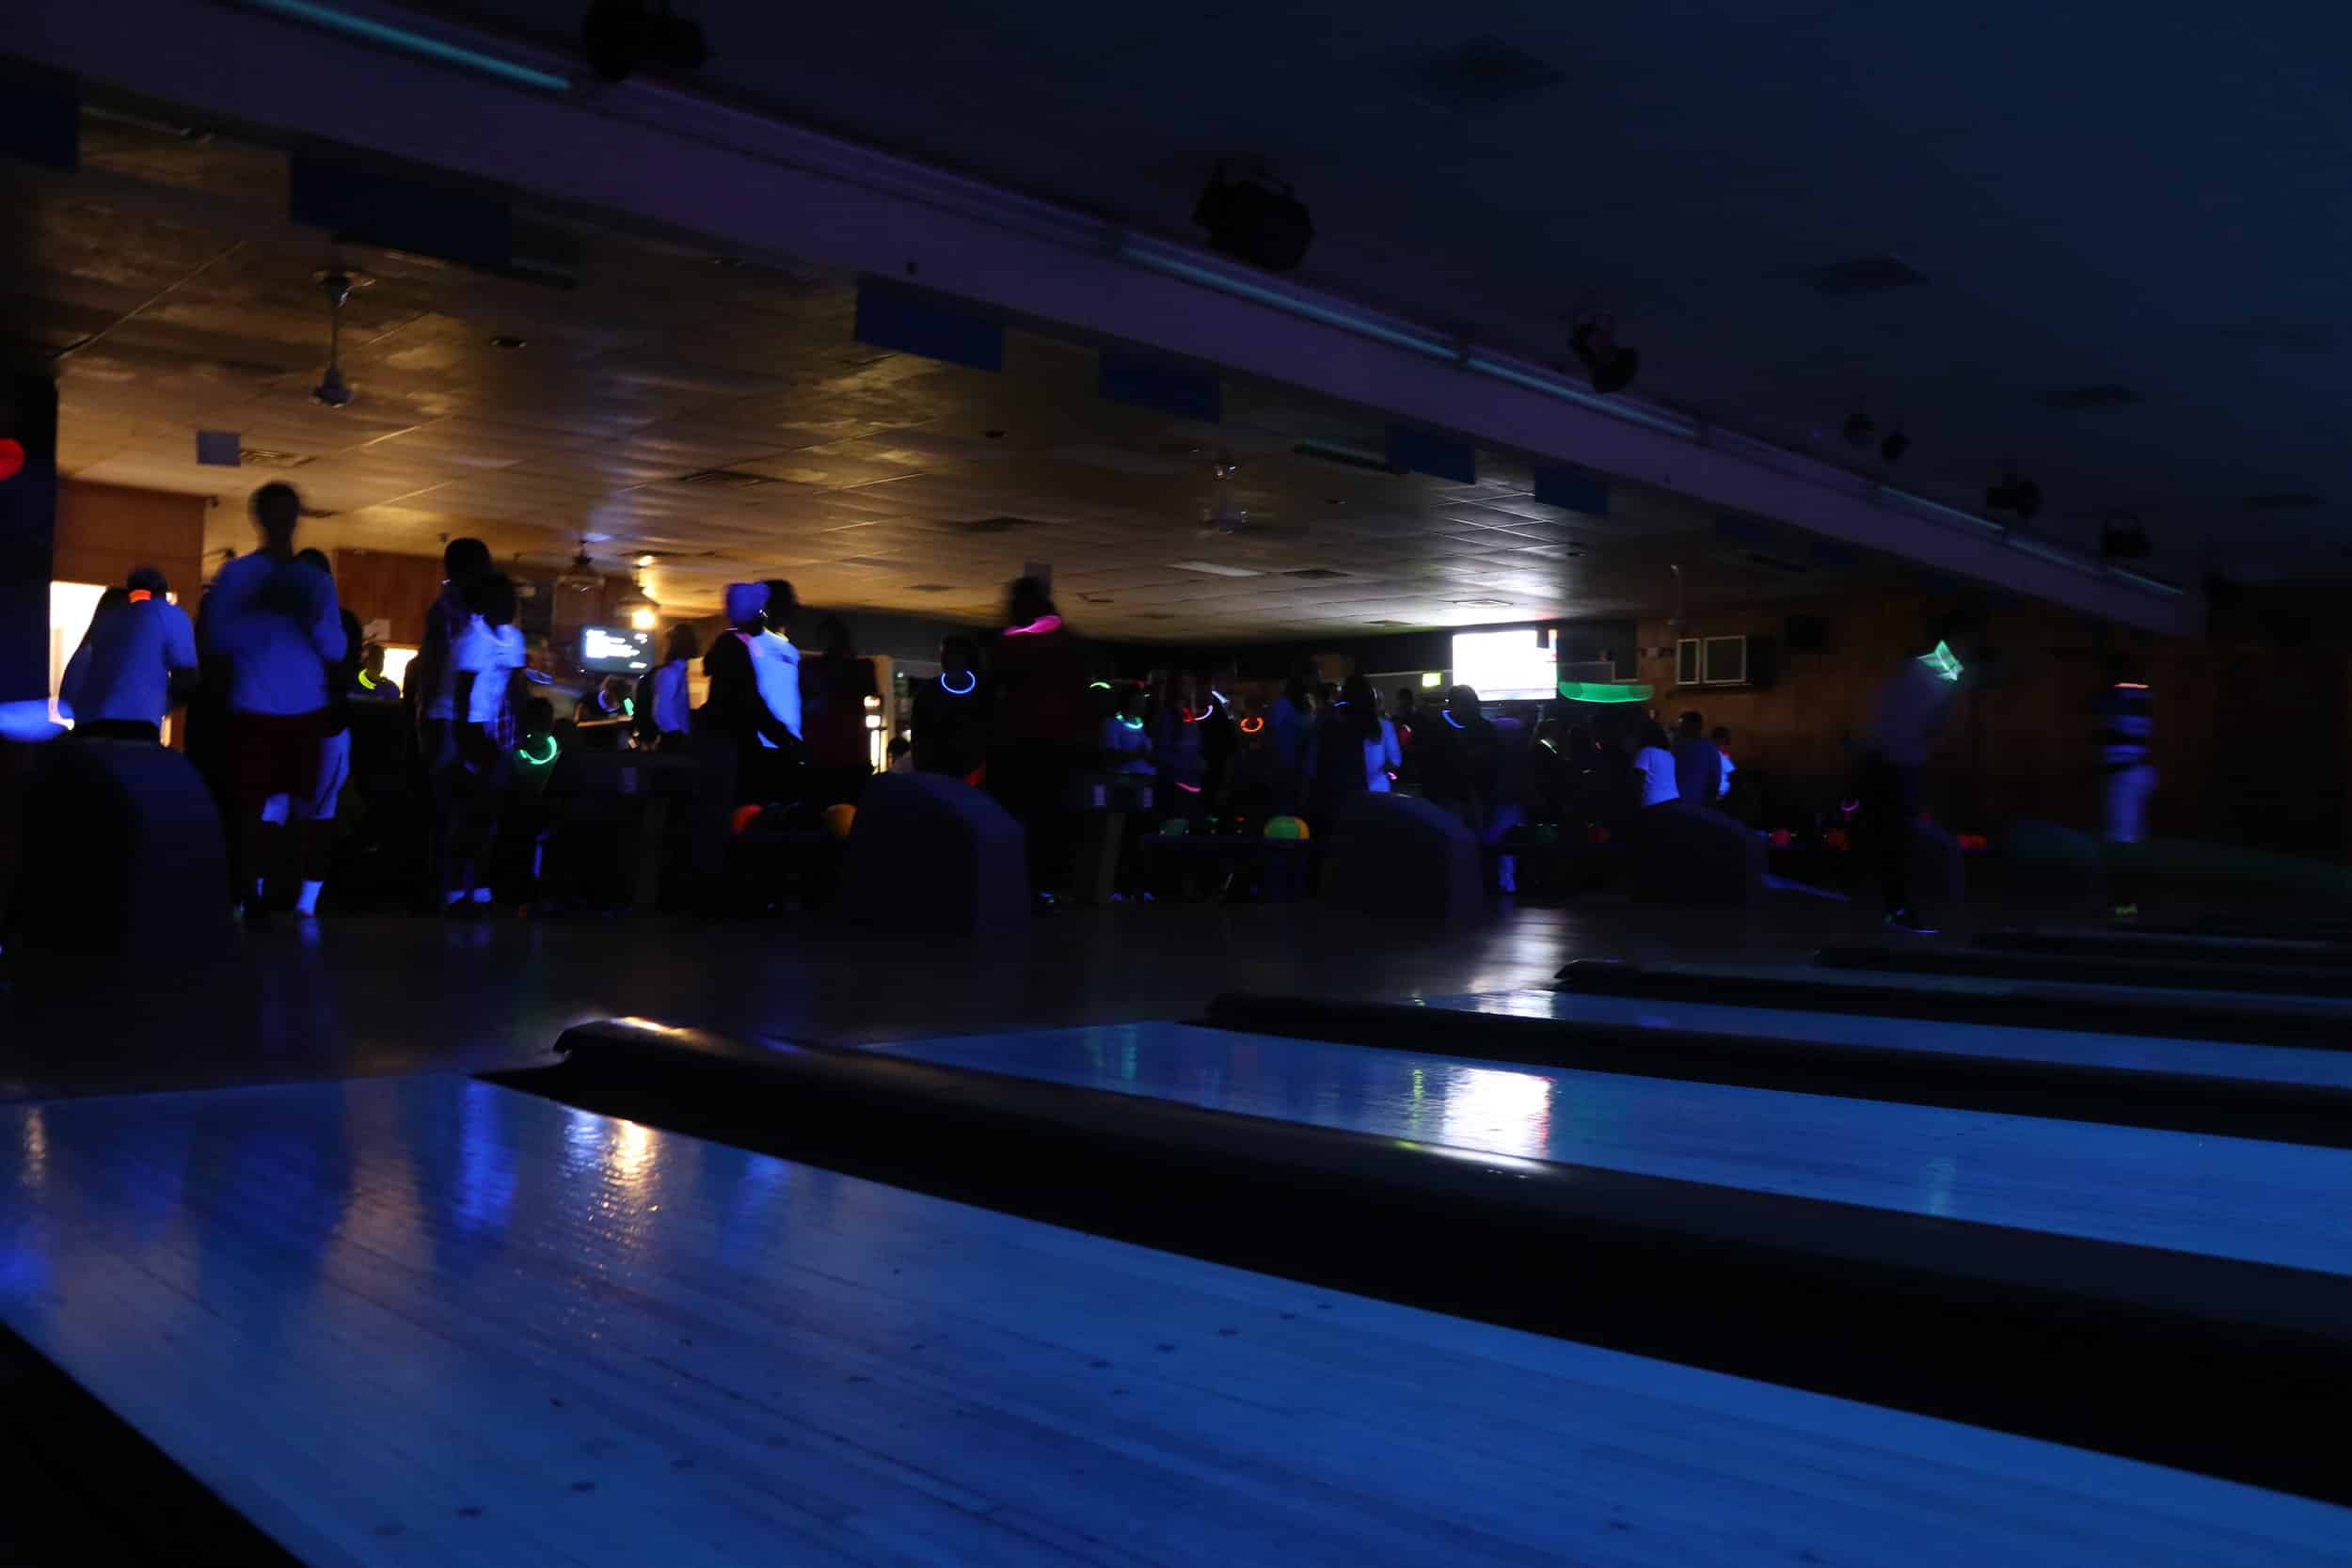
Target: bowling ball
[
  {"x": 1175, "y": 826},
  {"x": 837, "y": 819},
  {"x": 1596, "y": 833},
  {"x": 1836, "y": 839},
  {"x": 1783, "y": 838},
  {"x": 744, "y": 816},
  {"x": 1286, "y": 827}
]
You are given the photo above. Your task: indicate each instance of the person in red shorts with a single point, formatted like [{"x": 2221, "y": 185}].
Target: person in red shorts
[{"x": 276, "y": 626}]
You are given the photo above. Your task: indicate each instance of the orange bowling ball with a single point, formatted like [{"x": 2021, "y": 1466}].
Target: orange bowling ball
[
  {"x": 744, "y": 816},
  {"x": 837, "y": 819}
]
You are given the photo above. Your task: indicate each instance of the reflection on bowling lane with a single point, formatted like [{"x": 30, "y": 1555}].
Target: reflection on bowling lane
[
  {"x": 427, "y": 1321},
  {"x": 2056, "y": 991},
  {"x": 2274, "y": 1063},
  {"x": 2229, "y": 1198}
]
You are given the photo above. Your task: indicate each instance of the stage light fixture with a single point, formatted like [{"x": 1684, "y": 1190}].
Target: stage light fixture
[
  {"x": 623, "y": 36},
  {"x": 1255, "y": 220},
  {"x": 2021, "y": 496},
  {"x": 1611, "y": 364}
]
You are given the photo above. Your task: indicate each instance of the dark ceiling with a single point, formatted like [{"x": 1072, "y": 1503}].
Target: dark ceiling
[{"x": 2123, "y": 223}]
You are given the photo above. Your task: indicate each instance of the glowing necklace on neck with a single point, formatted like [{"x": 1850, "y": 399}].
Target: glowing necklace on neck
[
  {"x": 524, "y": 752},
  {"x": 1131, "y": 723},
  {"x": 971, "y": 679},
  {"x": 1447, "y": 713},
  {"x": 1251, "y": 726}
]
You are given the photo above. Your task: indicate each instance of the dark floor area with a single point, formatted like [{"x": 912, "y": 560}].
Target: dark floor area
[{"x": 396, "y": 994}]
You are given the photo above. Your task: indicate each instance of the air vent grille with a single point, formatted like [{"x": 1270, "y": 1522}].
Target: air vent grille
[{"x": 262, "y": 457}]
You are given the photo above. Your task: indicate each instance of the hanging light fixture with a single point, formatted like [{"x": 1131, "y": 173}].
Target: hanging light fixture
[{"x": 332, "y": 390}]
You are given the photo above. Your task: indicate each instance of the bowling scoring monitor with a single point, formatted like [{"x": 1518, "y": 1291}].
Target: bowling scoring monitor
[{"x": 616, "y": 651}]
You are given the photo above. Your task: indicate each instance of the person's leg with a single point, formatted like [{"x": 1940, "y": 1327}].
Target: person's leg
[
  {"x": 1500, "y": 824},
  {"x": 1889, "y": 797},
  {"x": 314, "y": 819},
  {"x": 259, "y": 773},
  {"x": 2127, "y": 792}
]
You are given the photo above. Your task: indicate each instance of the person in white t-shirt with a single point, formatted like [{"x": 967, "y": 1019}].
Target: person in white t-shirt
[
  {"x": 665, "y": 713},
  {"x": 119, "y": 683},
  {"x": 777, "y": 662},
  {"x": 485, "y": 654},
  {"x": 1653, "y": 766},
  {"x": 275, "y": 623}
]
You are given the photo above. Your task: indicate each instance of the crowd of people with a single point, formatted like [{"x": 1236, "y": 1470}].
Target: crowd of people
[{"x": 273, "y": 670}]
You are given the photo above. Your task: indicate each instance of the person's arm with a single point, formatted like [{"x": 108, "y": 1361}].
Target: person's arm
[
  {"x": 326, "y": 625},
  {"x": 1393, "y": 753},
  {"x": 179, "y": 638}
]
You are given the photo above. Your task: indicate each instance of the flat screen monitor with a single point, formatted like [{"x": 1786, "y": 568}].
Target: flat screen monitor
[
  {"x": 615, "y": 650},
  {"x": 1521, "y": 665}
]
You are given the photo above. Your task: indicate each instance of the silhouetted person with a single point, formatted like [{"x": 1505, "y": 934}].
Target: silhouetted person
[
  {"x": 1038, "y": 676},
  {"x": 838, "y": 692},
  {"x": 1698, "y": 766},
  {"x": 1912, "y": 707},
  {"x": 766, "y": 753},
  {"x": 2128, "y": 775},
  {"x": 485, "y": 655},
  {"x": 950, "y": 716},
  {"x": 1459, "y": 758}
]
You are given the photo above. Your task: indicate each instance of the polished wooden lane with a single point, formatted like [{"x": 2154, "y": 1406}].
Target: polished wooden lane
[
  {"x": 2264, "y": 1018},
  {"x": 433, "y": 1322},
  {"x": 2223, "y": 1197},
  {"x": 2273, "y": 1064}
]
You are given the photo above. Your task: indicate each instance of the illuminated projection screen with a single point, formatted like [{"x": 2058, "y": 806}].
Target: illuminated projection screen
[
  {"x": 614, "y": 651},
  {"x": 1507, "y": 666}
]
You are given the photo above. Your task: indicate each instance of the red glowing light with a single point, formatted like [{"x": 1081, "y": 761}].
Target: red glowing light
[{"x": 11, "y": 457}]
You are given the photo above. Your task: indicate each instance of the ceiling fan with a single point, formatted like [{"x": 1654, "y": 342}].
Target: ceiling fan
[{"x": 1222, "y": 515}]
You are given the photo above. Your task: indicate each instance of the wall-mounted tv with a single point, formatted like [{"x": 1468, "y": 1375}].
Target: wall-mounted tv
[{"x": 615, "y": 650}]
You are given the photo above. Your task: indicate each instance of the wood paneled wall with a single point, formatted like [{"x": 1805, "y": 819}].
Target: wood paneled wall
[
  {"x": 396, "y": 589},
  {"x": 104, "y": 531}
]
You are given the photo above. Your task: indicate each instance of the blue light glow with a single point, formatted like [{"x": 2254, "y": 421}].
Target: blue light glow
[
  {"x": 971, "y": 679},
  {"x": 415, "y": 43}
]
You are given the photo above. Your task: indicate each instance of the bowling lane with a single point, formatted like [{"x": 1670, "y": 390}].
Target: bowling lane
[
  {"x": 2224, "y": 1197},
  {"x": 432, "y": 1322},
  {"x": 2273, "y": 1064},
  {"x": 2253, "y": 1016}
]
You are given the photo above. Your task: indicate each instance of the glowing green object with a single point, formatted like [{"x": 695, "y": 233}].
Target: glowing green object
[
  {"x": 1941, "y": 661},
  {"x": 1603, "y": 692},
  {"x": 523, "y": 753}
]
